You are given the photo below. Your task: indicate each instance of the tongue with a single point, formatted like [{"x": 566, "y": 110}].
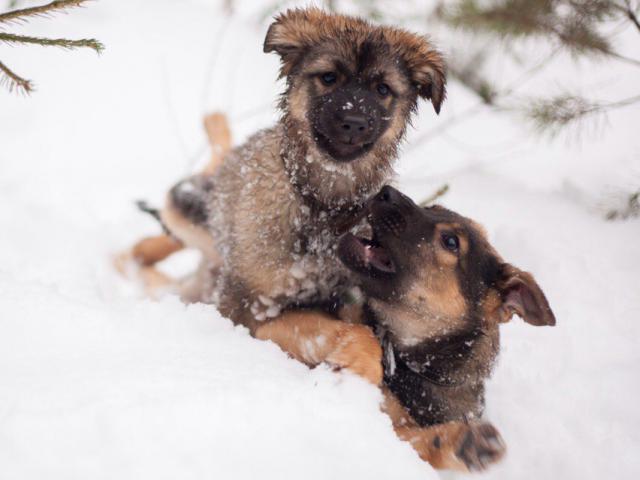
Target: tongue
[{"x": 378, "y": 258}]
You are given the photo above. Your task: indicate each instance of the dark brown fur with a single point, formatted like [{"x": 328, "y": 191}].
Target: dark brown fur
[{"x": 437, "y": 292}]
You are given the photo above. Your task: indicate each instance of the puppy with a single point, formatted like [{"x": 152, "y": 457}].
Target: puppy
[
  {"x": 436, "y": 293},
  {"x": 266, "y": 219}
]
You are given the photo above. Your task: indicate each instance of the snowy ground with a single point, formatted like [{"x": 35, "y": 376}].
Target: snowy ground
[{"x": 97, "y": 382}]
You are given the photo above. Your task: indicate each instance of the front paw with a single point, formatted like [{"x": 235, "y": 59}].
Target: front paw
[
  {"x": 481, "y": 445},
  {"x": 359, "y": 352}
]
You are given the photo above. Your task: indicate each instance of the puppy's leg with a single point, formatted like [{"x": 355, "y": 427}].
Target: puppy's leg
[
  {"x": 151, "y": 250},
  {"x": 464, "y": 446},
  {"x": 313, "y": 338},
  {"x": 219, "y": 133}
]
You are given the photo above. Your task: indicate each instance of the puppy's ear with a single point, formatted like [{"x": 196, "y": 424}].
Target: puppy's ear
[
  {"x": 289, "y": 35},
  {"x": 427, "y": 68},
  {"x": 521, "y": 295},
  {"x": 430, "y": 78}
]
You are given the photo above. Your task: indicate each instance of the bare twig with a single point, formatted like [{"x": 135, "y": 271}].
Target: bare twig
[
  {"x": 13, "y": 80},
  {"x": 629, "y": 13},
  {"x": 435, "y": 196}
]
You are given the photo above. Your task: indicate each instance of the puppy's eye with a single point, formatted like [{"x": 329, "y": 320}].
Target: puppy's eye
[
  {"x": 328, "y": 78},
  {"x": 383, "y": 89},
  {"x": 450, "y": 242}
]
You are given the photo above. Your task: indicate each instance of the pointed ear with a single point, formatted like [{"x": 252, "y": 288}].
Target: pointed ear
[
  {"x": 521, "y": 295},
  {"x": 289, "y": 35}
]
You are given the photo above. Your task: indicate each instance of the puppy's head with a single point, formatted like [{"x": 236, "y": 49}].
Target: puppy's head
[
  {"x": 352, "y": 86},
  {"x": 430, "y": 272}
]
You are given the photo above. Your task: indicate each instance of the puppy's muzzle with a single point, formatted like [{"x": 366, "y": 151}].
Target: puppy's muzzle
[{"x": 389, "y": 211}]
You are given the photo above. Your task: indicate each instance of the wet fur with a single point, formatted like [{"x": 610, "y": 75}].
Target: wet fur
[{"x": 272, "y": 207}]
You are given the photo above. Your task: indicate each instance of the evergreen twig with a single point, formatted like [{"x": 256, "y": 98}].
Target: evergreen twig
[
  {"x": 13, "y": 81},
  {"x": 55, "y": 42},
  {"x": 24, "y": 14},
  {"x": 550, "y": 115},
  {"x": 10, "y": 78}
]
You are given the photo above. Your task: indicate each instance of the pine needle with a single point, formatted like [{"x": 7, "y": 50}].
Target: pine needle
[
  {"x": 435, "y": 196},
  {"x": 13, "y": 81},
  {"x": 551, "y": 115},
  {"x": 22, "y": 15},
  {"x": 55, "y": 42}
]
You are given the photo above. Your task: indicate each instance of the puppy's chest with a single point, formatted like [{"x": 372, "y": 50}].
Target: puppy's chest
[
  {"x": 310, "y": 272},
  {"x": 435, "y": 381},
  {"x": 314, "y": 256}
]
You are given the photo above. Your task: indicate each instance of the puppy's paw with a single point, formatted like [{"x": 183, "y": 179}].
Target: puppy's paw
[
  {"x": 481, "y": 445},
  {"x": 359, "y": 351}
]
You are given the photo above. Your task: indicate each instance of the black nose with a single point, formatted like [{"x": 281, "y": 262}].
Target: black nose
[
  {"x": 389, "y": 195},
  {"x": 353, "y": 123}
]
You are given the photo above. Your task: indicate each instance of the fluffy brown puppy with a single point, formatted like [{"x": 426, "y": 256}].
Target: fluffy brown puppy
[
  {"x": 436, "y": 293},
  {"x": 267, "y": 217}
]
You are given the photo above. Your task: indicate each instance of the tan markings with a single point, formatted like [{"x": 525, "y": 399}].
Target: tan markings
[
  {"x": 154, "y": 282},
  {"x": 314, "y": 338},
  {"x": 396, "y": 81},
  {"x": 492, "y": 313},
  {"x": 323, "y": 64},
  {"x": 297, "y": 101},
  {"x": 191, "y": 235},
  {"x": 453, "y": 445},
  {"x": 432, "y": 305},
  {"x": 219, "y": 134},
  {"x": 151, "y": 250}
]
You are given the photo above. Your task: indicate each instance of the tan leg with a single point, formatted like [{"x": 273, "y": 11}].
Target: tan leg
[
  {"x": 314, "y": 338},
  {"x": 151, "y": 250},
  {"x": 219, "y": 133},
  {"x": 463, "y": 446},
  {"x": 153, "y": 280}
]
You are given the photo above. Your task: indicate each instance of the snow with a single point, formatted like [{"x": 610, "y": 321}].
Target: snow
[{"x": 98, "y": 382}]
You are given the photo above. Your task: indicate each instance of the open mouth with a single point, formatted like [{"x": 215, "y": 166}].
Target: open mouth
[{"x": 365, "y": 255}]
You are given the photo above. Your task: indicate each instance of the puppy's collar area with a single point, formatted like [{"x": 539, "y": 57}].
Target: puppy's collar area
[{"x": 422, "y": 364}]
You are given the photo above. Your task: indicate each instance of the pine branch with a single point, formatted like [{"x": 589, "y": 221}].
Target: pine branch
[
  {"x": 571, "y": 22},
  {"x": 40, "y": 11},
  {"x": 13, "y": 81},
  {"x": 55, "y": 42},
  {"x": 551, "y": 115}
]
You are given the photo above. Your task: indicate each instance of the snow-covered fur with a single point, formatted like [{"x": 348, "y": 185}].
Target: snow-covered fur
[{"x": 274, "y": 204}]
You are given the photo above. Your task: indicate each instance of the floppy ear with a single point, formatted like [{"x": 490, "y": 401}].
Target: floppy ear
[
  {"x": 427, "y": 67},
  {"x": 521, "y": 295},
  {"x": 431, "y": 81},
  {"x": 289, "y": 35}
]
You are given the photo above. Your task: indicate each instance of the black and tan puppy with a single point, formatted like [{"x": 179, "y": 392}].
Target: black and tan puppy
[
  {"x": 266, "y": 219},
  {"x": 436, "y": 294}
]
